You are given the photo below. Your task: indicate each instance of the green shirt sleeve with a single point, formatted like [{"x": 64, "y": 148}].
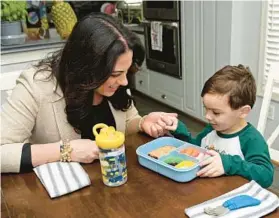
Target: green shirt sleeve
[
  {"x": 184, "y": 134},
  {"x": 256, "y": 164}
]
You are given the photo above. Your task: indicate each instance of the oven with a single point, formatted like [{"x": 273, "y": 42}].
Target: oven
[
  {"x": 167, "y": 60},
  {"x": 161, "y": 10}
]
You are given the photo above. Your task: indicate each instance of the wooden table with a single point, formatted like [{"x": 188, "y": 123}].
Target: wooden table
[{"x": 146, "y": 194}]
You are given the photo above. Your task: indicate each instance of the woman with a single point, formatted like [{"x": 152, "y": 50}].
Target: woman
[{"x": 64, "y": 96}]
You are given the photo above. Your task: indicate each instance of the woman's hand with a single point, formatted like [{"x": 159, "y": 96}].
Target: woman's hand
[
  {"x": 84, "y": 150},
  {"x": 158, "y": 124}
]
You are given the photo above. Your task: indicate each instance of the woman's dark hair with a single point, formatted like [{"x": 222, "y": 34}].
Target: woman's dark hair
[{"x": 87, "y": 61}]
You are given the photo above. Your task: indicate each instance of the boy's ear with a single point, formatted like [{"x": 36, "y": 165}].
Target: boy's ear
[{"x": 244, "y": 111}]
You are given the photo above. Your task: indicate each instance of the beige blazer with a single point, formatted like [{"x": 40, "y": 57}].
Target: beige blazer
[{"x": 35, "y": 113}]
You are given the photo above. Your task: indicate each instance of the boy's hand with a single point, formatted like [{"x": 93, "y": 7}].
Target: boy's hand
[
  {"x": 212, "y": 166},
  {"x": 151, "y": 123},
  {"x": 168, "y": 122}
]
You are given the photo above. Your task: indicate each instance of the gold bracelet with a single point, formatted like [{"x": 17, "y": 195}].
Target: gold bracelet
[
  {"x": 65, "y": 151},
  {"x": 140, "y": 123}
]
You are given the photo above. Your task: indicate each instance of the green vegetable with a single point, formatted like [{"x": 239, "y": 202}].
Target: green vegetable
[
  {"x": 173, "y": 160},
  {"x": 13, "y": 10}
]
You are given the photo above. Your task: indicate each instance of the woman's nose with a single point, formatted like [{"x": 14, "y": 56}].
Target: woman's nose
[{"x": 123, "y": 81}]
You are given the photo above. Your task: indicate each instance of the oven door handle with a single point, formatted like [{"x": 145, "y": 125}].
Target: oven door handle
[{"x": 167, "y": 24}]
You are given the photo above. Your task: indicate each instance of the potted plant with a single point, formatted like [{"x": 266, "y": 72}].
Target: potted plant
[{"x": 12, "y": 13}]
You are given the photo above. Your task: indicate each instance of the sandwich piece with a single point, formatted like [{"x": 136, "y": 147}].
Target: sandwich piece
[{"x": 159, "y": 152}]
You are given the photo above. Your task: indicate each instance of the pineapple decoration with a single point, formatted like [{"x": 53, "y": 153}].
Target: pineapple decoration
[{"x": 64, "y": 18}]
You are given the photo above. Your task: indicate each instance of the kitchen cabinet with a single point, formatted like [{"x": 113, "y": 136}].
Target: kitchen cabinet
[
  {"x": 163, "y": 88},
  {"x": 206, "y": 46},
  {"x": 166, "y": 89},
  {"x": 142, "y": 76},
  {"x": 142, "y": 81},
  {"x": 190, "y": 58}
]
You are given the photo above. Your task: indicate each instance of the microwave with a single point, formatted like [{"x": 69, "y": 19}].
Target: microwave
[{"x": 161, "y": 10}]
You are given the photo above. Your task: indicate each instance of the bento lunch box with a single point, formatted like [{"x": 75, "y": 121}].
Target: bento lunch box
[{"x": 160, "y": 166}]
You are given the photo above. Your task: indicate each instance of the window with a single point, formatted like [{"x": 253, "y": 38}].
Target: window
[{"x": 270, "y": 44}]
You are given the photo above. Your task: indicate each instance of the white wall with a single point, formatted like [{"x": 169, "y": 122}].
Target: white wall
[
  {"x": 245, "y": 48},
  {"x": 228, "y": 33}
]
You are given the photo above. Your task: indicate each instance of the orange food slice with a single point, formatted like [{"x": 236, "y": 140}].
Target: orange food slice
[
  {"x": 187, "y": 151},
  {"x": 190, "y": 151},
  {"x": 183, "y": 151},
  {"x": 195, "y": 152}
]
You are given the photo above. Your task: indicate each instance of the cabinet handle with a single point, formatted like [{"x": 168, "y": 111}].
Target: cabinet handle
[
  {"x": 140, "y": 82},
  {"x": 164, "y": 97}
]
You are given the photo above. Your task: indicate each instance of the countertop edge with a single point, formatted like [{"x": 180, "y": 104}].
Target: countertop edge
[{"x": 34, "y": 47}]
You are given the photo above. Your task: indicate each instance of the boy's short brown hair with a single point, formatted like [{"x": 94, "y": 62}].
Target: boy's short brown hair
[{"x": 235, "y": 81}]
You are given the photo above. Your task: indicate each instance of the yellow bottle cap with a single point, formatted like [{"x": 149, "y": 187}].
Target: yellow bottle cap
[{"x": 108, "y": 138}]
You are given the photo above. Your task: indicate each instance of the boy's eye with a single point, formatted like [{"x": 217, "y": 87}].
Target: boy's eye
[{"x": 216, "y": 113}]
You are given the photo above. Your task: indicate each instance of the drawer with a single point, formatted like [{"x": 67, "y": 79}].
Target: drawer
[
  {"x": 167, "y": 97},
  {"x": 170, "y": 84},
  {"x": 142, "y": 82}
]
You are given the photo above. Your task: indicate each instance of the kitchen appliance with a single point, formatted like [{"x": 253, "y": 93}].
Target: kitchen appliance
[
  {"x": 161, "y": 10},
  {"x": 168, "y": 60}
]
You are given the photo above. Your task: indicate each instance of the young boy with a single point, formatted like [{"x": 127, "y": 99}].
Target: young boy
[{"x": 235, "y": 146}]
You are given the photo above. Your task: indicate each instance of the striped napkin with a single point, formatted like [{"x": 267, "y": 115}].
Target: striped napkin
[
  {"x": 269, "y": 202},
  {"x": 60, "y": 178}
]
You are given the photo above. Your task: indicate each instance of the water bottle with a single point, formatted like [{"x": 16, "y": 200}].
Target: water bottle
[{"x": 111, "y": 154}]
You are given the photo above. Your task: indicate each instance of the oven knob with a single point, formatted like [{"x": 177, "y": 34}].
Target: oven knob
[
  {"x": 164, "y": 97},
  {"x": 140, "y": 82}
]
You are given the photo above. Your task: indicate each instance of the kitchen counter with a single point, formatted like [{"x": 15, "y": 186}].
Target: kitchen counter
[
  {"x": 52, "y": 43},
  {"x": 33, "y": 45}
]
